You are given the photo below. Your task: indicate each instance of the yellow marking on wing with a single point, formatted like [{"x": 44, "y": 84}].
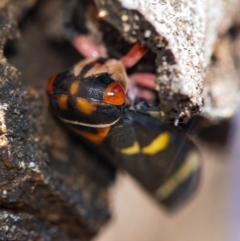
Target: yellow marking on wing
[
  {"x": 74, "y": 87},
  {"x": 134, "y": 149},
  {"x": 158, "y": 144},
  {"x": 95, "y": 138},
  {"x": 85, "y": 106},
  {"x": 62, "y": 101},
  {"x": 190, "y": 165}
]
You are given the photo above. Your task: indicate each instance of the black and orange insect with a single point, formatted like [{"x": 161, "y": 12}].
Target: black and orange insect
[{"x": 91, "y": 99}]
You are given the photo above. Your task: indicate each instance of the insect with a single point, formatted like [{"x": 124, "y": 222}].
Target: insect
[
  {"x": 113, "y": 113},
  {"x": 91, "y": 98}
]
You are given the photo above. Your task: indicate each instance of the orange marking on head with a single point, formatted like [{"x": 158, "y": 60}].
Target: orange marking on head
[
  {"x": 95, "y": 138},
  {"x": 114, "y": 94},
  {"x": 50, "y": 84},
  {"x": 74, "y": 87},
  {"x": 85, "y": 106},
  {"x": 62, "y": 102}
]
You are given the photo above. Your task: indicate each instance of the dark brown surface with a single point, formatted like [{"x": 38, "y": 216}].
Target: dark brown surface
[
  {"x": 22, "y": 226},
  {"x": 48, "y": 181}
]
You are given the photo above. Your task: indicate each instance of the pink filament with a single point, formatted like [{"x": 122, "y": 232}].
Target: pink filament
[
  {"x": 133, "y": 55},
  {"x": 87, "y": 48},
  {"x": 144, "y": 79}
]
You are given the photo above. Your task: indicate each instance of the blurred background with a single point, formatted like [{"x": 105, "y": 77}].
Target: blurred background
[{"x": 205, "y": 217}]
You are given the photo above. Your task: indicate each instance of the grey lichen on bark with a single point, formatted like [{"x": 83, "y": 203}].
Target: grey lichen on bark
[{"x": 183, "y": 35}]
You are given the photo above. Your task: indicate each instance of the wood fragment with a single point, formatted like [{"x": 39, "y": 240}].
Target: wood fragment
[
  {"x": 48, "y": 181},
  {"x": 182, "y": 34}
]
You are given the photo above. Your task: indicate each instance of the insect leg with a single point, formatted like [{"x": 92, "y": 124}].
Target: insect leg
[
  {"x": 80, "y": 41},
  {"x": 133, "y": 55}
]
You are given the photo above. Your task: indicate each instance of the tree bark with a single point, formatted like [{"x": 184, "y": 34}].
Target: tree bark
[{"x": 50, "y": 187}]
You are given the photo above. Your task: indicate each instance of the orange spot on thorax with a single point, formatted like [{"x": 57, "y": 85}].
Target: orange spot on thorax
[
  {"x": 95, "y": 138},
  {"x": 62, "y": 101},
  {"x": 85, "y": 106},
  {"x": 74, "y": 87}
]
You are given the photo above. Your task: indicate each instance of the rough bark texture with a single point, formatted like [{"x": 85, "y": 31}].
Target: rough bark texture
[
  {"x": 50, "y": 187},
  {"x": 182, "y": 34},
  {"x": 22, "y": 226}
]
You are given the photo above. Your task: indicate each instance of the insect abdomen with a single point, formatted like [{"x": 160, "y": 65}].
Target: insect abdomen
[{"x": 159, "y": 156}]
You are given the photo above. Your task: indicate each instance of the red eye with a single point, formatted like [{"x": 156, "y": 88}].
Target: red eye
[
  {"x": 50, "y": 84},
  {"x": 114, "y": 94}
]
